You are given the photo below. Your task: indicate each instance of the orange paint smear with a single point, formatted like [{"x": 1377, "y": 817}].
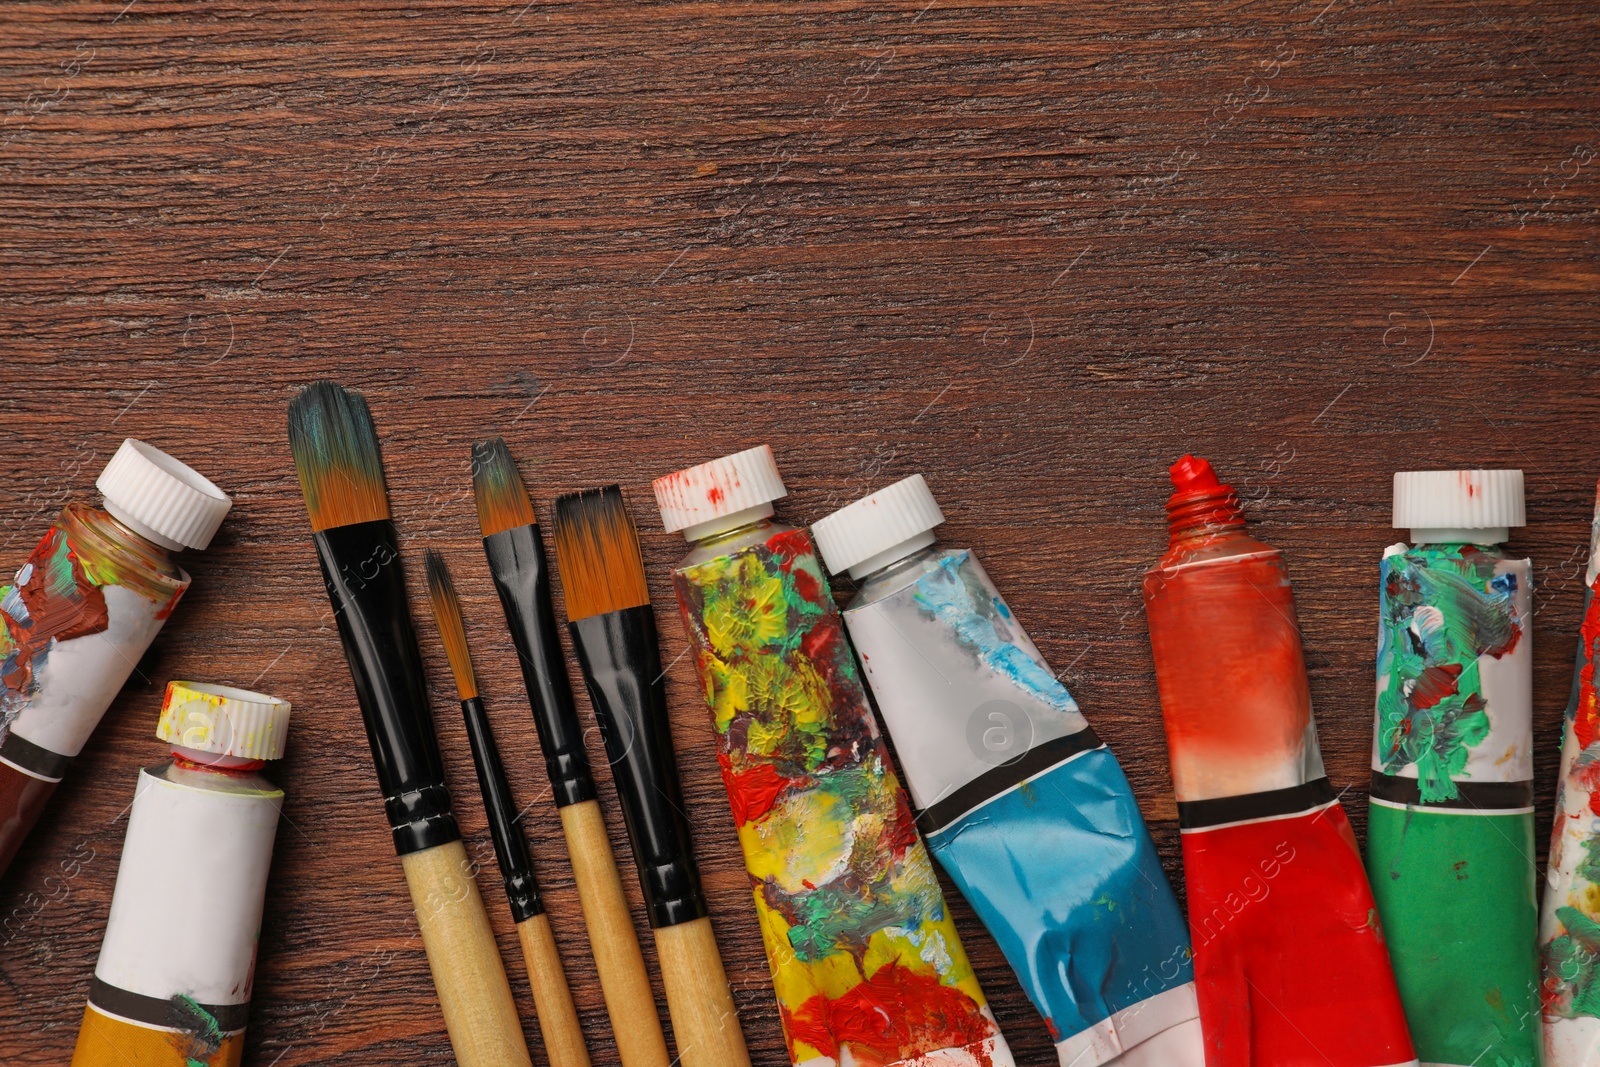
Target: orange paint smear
[{"x": 896, "y": 1016}]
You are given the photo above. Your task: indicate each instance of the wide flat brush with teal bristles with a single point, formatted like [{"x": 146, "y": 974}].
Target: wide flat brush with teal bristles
[{"x": 336, "y": 455}]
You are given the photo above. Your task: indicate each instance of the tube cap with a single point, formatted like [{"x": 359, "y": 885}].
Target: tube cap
[
  {"x": 879, "y": 528},
  {"x": 1476, "y": 506},
  {"x": 701, "y": 500},
  {"x": 160, "y": 498},
  {"x": 224, "y": 721}
]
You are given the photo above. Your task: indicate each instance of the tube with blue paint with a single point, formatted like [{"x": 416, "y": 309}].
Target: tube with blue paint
[{"x": 1024, "y": 807}]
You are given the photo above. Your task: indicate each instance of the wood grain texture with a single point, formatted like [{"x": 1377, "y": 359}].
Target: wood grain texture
[
  {"x": 469, "y": 974},
  {"x": 1035, "y": 251},
  {"x": 613, "y": 939},
  {"x": 559, "y": 1029},
  {"x": 705, "y": 1021}
]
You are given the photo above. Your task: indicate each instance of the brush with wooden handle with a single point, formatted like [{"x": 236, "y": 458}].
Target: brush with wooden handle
[
  {"x": 558, "y": 1017},
  {"x": 336, "y": 456},
  {"x": 614, "y": 634},
  {"x": 515, "y": 550}
]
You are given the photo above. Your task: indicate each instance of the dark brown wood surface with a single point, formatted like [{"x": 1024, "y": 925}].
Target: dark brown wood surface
[{"x": 1035, "y": 251}]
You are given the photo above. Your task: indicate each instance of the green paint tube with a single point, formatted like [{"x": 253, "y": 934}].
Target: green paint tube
[{"x": 1450, "y": 838}]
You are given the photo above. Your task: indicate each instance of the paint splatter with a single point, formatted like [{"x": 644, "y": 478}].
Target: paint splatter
[
  {"x": 198, "y": 1035},
  {"x": 53, "y": 599},
  {"x": 864, "y": 955},
  {"x": 982, "y": 623},
  {"x": 1444, "y": 607}
]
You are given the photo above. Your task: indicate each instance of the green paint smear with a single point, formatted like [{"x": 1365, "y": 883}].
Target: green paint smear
[
  {"x": 199, "y": 1031},
  {"x": 1442, "y": 607}
]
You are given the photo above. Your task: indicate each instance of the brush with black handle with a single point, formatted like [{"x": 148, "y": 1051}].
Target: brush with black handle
[
  {"x": 614, "y": 634},
  {"x": 515, "y": 551},
  {"x": 558, "y": 1018},
  {"x": 341, "y": 476}
]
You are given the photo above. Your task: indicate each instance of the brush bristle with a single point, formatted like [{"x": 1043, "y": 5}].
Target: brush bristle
[
  {"x": 597, "y": 549},
  {"x": 503, "y": 502},
  {"x": 447, "y": 613},
  {"x": 336, "y": 455}
]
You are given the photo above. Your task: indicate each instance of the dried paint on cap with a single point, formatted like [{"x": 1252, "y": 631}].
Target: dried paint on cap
[
  {"x": 1470, "y": 507},
  {"x": 220, "y": 720},
  {"x": 159, "y": 498},
  {"x": 880, "y": 528},
  {"x": 720, "y": 495}
]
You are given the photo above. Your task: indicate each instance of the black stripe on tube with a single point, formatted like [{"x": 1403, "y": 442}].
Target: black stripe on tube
[
  {"x": 361, "y": 566},
  {"x": 522, "y": 578},
  {"x": 510, "y": 848},
  {"x": 622, "y": 666}
]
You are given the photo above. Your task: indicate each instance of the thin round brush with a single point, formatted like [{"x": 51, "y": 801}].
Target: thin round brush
[
  {"x": 515, "y": 550},
  {"x": 614, "y": 634},
  {"x": 336, "y": 456},
  {"x": 558, "y": 1018}
]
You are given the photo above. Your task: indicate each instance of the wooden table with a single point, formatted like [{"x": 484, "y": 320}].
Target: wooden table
[{"x": 1035, "y": 251}]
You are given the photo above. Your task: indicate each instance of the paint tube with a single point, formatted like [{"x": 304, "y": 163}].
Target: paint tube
[
  {"x": 1450, "y": 832},
  {"x": 81, "y": 612},
  {"x": 1289, "y": 957},
  {"x": 172, "y": 985},
  {"x": 1569, "y": 930},
  {"x": 1024, "y": 807},
  {"x": 865, "y": 959}
]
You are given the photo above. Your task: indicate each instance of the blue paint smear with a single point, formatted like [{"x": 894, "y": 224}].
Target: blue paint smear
[
  {"x": 982, "y": 624},
  {"x": 1062, "y": 871}
]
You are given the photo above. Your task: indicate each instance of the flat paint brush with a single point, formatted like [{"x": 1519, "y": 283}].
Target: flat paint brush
[
  {"x": 341, "y": 476},
  {"x": 558, "y": 1018},
  {"x": 614, "y": 634},
  {"x": 515, "y": 551}
]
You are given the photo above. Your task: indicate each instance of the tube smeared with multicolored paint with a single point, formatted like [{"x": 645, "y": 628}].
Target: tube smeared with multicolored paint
[
  {"x": 1025, "y": 808},
  {"x": 83, "y": 609},
  {"x": 1289, "y": 957},
  {"x": 1450, "y": 834},
  {"x": 865, "y": 959},
  {"x": 1569, "y": 932},
  {"x": 172, "y": 986}
]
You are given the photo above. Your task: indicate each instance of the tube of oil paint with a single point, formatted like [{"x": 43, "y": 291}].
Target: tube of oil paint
[
  {"x": 81, "y": 612},
  {"x": 1289, "y": 957},
  {"x": 1024, "y": 807},
  {"x": 172, "y": 986},
  {"x": 865, "y": 959},
  {"x": 1450, "y": 833},
  {"x": 1569, "y": 928}
]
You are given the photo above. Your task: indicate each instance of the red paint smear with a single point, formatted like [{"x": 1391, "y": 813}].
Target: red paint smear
[
  {"x": 56, "y": 611},
  {"x": 1434, "y": 685},
  {"x": 1586, "y": 719},
  {"x": 788, "y": 546},
  {"x": 751, "y": 793},
  {"x": 807, "y": 586},
  {"x": 715, "y": 494},
  {"x": 1301, "y": 976},
  {"x": 895, "y": 1016}
]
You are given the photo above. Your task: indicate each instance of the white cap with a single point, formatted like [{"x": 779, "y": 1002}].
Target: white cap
[
  {"x": 219, "y": 720},
  {"x": 1471, "y": 507},
  {"x": 880, "y": 528},
  {"x": 157, "y": 497},
  {"x": 720, "y": 495}
]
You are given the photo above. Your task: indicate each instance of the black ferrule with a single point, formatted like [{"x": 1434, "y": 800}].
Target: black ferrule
[
  {"x": 510, "y": 848},
  {"x": 622, "y": 665},
  {"x": 361, "y": 566},
  {"x": 517, "y": 562}
]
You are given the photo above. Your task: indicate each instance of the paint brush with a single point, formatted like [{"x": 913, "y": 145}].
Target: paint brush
[
  {"x": 558, "y": 1018},
  {"x": 515, "y": 551},
  {"x": 614, "y": 634},
  {"x": 336, "y": 456}
]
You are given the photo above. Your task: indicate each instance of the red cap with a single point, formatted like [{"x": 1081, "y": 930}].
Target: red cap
[{"x": 1199, "y": 498}]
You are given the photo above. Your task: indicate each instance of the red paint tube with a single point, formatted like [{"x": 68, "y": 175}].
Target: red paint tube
[{"x": 1290, "y": 963}]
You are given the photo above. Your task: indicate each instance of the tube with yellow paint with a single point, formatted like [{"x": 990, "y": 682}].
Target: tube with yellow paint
[{"x": 172, "y": 987}]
